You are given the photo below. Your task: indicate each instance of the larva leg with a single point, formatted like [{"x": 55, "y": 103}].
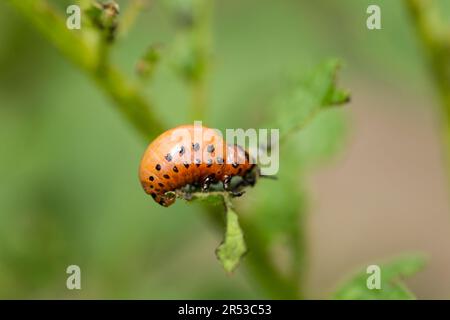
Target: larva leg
[
  {"x": 226, "y": 183},
  {"x": 235, "y": 192},
  {"x": 242, "y": 183},
  {"x": 227, "y": 187},
  {"x": 249, "y": 180},
  {"x": 206, "y": 183}
]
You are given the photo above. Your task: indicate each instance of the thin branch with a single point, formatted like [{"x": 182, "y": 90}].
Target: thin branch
[
  {"x": 84, "y": 54},
  {"x": 130, "y": 15},
  {"x": 194, "y": 60},
  {"x": 435, "y": 39},
  {"x": 202, "y": 41}
]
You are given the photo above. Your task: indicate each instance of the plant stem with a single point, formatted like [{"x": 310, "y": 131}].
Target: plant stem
[
  {"x": 130, "y": 16},
  {"x": 203, "y": 46},
  {"x": 198, "y": 100},
  {"x": 84, "y": 54},
  {"x": 435, "y": 39},
  {"x": 297, "y": 241},
  {"x": 194, "y": 33}
]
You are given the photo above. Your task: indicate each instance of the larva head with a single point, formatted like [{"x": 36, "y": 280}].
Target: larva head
[
  {"x": 153, "y": 189},
  {"x": 166, "y": 199}
]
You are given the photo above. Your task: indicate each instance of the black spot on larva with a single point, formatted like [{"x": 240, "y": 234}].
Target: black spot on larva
[
  {"x": 210, "y": 148},
  {"x": 235, "y": 165},
  {"x": 181, "y": 152},
  {"x": 161, "y": 185},
  {"x": 166, "y": 176},
  {"x": 153, "y": 195},
  {"x": 186, "y": 165},
  {"x": 151, "y": 178},
  {"x": 168, "y": 157},
  {"x": 198, "y": 162},
  {"x": 175, "y": 169},
  {"x": 151, "y": 186},
  {"x": 209, "y": 163},
  {"x": 195, "y": 146},
  {"x": 158, "y": 167}
]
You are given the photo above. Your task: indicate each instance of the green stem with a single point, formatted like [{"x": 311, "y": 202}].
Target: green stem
[
  {"x": 130, "y": 16},
  {"x": 297, "y": 242},
  {"x": 196, "y": 34},
  {"x": 435, "y": 39},
  {"x": 198, "y": 99},
  {"x": 258, "y": 262},
  {"x": 85, "y": 55},
  {"x": 203, "y": 46}
]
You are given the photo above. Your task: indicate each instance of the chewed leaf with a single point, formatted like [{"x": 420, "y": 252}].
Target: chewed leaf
[
  {"x": 212, "y": 197},
  {"x": 233, "y": 247},
  {"x": 391, "y": 285},
  {"x": 308, "y": 96}
]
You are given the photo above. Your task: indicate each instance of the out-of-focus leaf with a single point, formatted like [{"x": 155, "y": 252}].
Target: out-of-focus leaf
[
  {"x": 279, "y": 206},
  {"x": 312, "y": 93},
  {"x": 190, "y": 50},
  {"x": 319, "y": 141},
  {"x": 275, "y": 211},
  {"x": 274, "y": 205},
  {"x": 233, "y": 247},
  {"x": 392, "y": 286}
]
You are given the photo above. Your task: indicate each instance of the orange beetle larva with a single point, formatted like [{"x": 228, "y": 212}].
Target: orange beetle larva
[{"x": 192, "y": 155}]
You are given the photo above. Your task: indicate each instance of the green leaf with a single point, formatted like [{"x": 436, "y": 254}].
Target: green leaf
[
  {"x": 392, "y": 287},
  {"x": 277, "y": 208},
  {"x": 319, "y": 142},
  {"x": 211, "y": 197},
  {"x": 306, "y": 97},
  {"x": 233, "y": 247}
]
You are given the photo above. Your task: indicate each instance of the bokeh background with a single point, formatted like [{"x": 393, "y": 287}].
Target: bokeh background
[{"x": 69, "y": 192}]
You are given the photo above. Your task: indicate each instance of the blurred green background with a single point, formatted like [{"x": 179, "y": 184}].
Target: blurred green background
[{"x": 69, "y": 192}]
